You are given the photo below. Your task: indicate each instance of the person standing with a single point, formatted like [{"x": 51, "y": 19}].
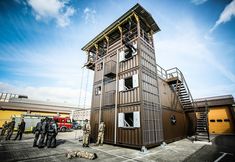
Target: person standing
[
  {"x": 86, "y": 133},
  {"x": 43, "y": 133},
  {"x": 21, "y": 128},
  {"x": 100, "y": 138},
  {"x": 10, "y": 129},
  {"x": 52, "y": 132},
  {"x": 37, "y": 132},
  {"x": 4, "y": 128}
]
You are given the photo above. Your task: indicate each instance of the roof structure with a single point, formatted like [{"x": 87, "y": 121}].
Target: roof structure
[
  {"x": 215, "y": 101},
  {"x": 144, "y": 15},
  {"x": 34, "y": 105}
]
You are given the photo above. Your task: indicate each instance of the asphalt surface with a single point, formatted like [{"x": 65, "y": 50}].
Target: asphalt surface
[
  {"x": 221, "y": 150},
  {"x": 183, "y": 150}
]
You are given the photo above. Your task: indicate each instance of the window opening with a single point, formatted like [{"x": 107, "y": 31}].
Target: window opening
[
  {"x": 100, "y": 66},
  {"x": 128, "y": 120},
  {"x": 226, "y": 120},
  {"x": 98, "y": 90},
  {"x": 219, "y": 120},
  {"x": 128, "y": 83},
  {"x": 212, "y": 120}
]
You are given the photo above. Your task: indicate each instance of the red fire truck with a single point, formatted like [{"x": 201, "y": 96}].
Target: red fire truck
[{"x": 64, "y": 123}]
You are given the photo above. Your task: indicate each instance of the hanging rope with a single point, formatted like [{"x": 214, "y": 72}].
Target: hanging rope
[
  {"x": 80, "y": 94},
  {"x": 86, "y": 89}
]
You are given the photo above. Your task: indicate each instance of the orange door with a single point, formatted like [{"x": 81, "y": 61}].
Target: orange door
[{"x": 220, "y": 120}]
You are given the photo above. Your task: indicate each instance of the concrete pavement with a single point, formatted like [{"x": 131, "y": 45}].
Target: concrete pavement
[{"x": 23, "y": 150}]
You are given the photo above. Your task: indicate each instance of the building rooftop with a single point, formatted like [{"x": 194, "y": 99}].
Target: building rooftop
[
  {"x": 215, "y": 100},
  {"x": 144, "y": 15},
  {"x": 15, "y": 102}
]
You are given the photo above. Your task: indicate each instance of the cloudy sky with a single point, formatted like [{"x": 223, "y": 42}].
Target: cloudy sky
[{"x": 41, "y": 41}]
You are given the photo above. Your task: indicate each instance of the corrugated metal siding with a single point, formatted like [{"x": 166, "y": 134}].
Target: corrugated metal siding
[
  {"x": 98, "y": 74},
  {"x": 108, "y": 118},
  {"x": 114, "y": 47},
  {"x": 94, "y": 121},
  {"x": 96, "y": 98},
  {"x": 129, "y": 136},
  {"x": 152, "y": 113},
  {"x": 132, "y": 95},
  {"x": 109, "y": 98}
]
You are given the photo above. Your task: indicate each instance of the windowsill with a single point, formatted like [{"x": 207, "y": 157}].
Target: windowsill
[
  {"x": 129, "y": 127},
  {"x": 126, "y": 59},
  {"x": 129, "y": 89}
]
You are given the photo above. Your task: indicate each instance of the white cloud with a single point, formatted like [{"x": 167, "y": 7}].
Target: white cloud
[
  {"x": 198, "y": 2},
  {"x": 196, "y": 57},
  {"x": 226, "y": 15},
  {"x": 58, "y": 10},
  {"x": 46, "y": 93},
  {"x": 89, "y": 15}
]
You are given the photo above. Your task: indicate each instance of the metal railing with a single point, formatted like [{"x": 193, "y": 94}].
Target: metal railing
[{"x": 177, "y": 74}]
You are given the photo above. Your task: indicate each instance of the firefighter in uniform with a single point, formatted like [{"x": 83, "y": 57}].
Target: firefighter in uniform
[
  {"x": 52, "y": 132},
  {"x": 10, "y": 129},
  {"x": 86, "y": 133},
  {"x": 21, "y": 128},
  {"x": 43, "y": 133},
  {"x": 37, "y": 131},
  {"x": 129, "y": 46},
  {"x": 100, "y": 138},
  {"x": 4, "y": 128}
]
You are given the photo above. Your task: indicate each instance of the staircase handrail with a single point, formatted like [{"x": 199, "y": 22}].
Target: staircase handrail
[{"x": 167, "y": 74}]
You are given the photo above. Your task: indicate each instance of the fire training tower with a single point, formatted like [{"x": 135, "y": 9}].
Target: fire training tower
[{"x": 125, "y": 89}]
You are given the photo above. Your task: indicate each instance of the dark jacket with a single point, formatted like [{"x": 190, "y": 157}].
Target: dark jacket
[
  {"x": 45, "y": 127},
  {"x": 38, "y": 127},
  {"x": 52, "y": 128},
  {"x": 12, "y": 125},
  {"x": 21, "y": 127}
]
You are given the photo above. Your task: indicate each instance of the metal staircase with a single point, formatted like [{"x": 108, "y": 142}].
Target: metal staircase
[
  {"x": 176, "y": 80},
  {"x": 202, "y": 130}
]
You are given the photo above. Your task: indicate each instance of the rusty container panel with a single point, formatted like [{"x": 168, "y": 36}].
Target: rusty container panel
[
  {"x": 129, "y": 136},
  {"x": 174, "y": 130}
]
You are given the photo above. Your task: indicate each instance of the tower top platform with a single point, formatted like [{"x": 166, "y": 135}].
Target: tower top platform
[{"x": 143, "y": 15}]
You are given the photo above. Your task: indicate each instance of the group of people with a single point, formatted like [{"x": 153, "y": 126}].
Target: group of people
[
  {"x": 8, "y": 127},
  {"x": 87, "y": 131},
  {"x": 45, "y": 133}
]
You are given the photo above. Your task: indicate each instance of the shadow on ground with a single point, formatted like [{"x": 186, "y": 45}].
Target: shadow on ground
[{"x": 222, "y": 150}]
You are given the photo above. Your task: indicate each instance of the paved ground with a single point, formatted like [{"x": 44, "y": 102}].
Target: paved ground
[
  {"x": 23, "y": 151},
  {"x": 222, "y": 150}
]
